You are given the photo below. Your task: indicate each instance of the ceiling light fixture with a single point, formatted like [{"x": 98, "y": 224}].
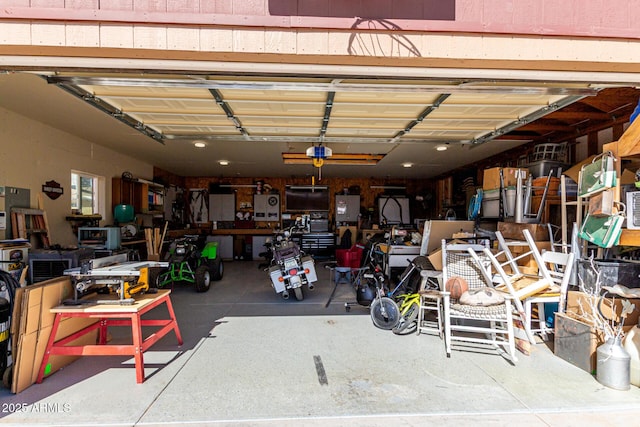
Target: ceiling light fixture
[
  {"x": 199, "y": 144},
  {"x": 442, "y": 147},
  {"x": 223, "y": 162},
  {"x": 407, "y": 165}
]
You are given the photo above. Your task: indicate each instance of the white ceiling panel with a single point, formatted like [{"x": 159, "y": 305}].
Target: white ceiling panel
[{"x": 264, "y": 112}]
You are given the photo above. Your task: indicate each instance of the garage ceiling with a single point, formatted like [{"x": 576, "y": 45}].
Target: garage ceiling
[{"x": 254, "y": 122}]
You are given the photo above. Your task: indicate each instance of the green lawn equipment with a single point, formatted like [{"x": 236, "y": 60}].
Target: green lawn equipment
[{"x": 189, "y": 264}]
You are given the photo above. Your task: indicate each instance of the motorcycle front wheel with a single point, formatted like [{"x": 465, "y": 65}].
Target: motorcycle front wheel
[{"x": 385, "y": 313}]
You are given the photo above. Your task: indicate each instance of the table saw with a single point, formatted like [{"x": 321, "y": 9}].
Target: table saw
[{"x": 112, "y": 274}]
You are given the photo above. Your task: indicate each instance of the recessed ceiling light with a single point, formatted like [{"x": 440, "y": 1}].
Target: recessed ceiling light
[
  {"x": 223, "y": 162},
  {"x": 407, "y": 165},
  {"x": 441, "y": 147},
  {"x": 199, "y": 144}
]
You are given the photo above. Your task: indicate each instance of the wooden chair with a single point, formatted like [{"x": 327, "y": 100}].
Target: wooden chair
[
  {"x": 519, "y": 285},
  {"x": 472, "y": 325}
]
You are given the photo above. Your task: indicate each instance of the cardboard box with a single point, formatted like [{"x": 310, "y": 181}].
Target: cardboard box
[
  {"x": 34, "y": 324},
  {"x": 601, "y": 204},
  {"x": 491, "y": 177},
  {"x": 436, "y": 230},
  {"x": 513, "y": 230},
  {"x": 436, "y": 256},
  {"x": 628, "y": 177},
  {"x": 436, "y": 259},
  {"x": 578, "y": 302},
  {"x": 574, "y": 171},
  {"x": 528, "y": 263}
]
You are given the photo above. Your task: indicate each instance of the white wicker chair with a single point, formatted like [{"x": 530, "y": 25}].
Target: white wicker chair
[{"x": 474, "y": 326}]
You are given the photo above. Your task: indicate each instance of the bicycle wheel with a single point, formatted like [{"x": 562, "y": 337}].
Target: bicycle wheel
[
  {"x": 384, "y": 313},
  {"x": 408, "y": 322}
]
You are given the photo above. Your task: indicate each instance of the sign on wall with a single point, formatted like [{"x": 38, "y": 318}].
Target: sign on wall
[{"x": 52, "y": 189}]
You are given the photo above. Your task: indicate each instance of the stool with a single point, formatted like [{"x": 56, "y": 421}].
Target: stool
[
  {"x": 338, "y": 275},
  {"x": 430, "y": 302},
  {"x": 342, "y": 275}
]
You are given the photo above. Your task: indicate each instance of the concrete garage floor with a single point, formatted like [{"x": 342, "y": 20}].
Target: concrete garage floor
[{"x": 252, "y": 359}]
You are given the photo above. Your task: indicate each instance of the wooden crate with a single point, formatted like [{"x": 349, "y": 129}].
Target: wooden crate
[{"x": 575, "y": 342}]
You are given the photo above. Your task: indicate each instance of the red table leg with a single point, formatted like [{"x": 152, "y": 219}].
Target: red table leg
[
  {"x": 136, "y": 331},
  {"x": 112, "y": 317}
]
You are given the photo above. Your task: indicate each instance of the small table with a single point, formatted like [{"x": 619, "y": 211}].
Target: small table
[{"x": 113, "y": 315}]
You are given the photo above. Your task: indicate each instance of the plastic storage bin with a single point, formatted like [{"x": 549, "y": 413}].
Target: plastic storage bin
[
  {"x": 349, "y": 257},
  {"x": 612, "y": 272}
]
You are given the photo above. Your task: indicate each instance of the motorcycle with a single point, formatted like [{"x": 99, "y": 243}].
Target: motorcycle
[{"x": 290, "y": 269}]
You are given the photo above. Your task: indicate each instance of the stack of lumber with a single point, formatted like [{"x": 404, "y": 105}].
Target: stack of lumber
[{"x": 154, "y": 241}]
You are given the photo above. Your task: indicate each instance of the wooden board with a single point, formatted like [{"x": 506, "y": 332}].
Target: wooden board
[
  {"x": 629, "y": 142},
  {"x": 436, "y": 230}
]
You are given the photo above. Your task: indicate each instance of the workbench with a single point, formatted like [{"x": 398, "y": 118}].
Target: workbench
[{"x": 113, "y": 315}]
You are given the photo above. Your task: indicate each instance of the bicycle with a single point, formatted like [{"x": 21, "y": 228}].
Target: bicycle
[
  {"x": 385, "y": 313},
  {"x": 408, "y": 304},
  {"x": 407, "y": 297}
]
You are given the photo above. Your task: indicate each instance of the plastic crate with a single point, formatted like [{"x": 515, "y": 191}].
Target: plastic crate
[{"x": 556, "y": 152}]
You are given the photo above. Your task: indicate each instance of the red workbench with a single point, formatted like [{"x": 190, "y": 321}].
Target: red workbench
[{"x": 113, "y": 315}]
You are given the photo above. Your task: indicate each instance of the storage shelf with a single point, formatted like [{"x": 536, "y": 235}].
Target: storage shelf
[{"x": 144, "y": 196}]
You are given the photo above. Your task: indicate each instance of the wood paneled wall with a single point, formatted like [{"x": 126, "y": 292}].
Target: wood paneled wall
[{"x": 368, "y": 195}]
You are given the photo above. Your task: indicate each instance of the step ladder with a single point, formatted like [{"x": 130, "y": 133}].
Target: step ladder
[{"x": 26, "y": 222}]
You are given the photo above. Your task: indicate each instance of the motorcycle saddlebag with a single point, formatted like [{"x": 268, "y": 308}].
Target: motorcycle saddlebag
[
  {"x": 275, "y": 274},
  {"x": 307, "y": 263}
]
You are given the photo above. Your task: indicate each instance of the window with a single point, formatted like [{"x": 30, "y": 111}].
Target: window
[{"x": 87, "y": 194}]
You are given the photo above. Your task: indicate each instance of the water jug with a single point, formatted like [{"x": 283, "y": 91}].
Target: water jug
[
  {"x": 631, "y": 344},
  {"x": 612, "y": 368}
]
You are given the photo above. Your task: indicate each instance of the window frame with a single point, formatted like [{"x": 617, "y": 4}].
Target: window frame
[{"x": 98, "y": 191}]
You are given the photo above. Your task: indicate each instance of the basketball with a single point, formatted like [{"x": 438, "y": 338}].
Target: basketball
[{"x": 456, "y": 286}]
